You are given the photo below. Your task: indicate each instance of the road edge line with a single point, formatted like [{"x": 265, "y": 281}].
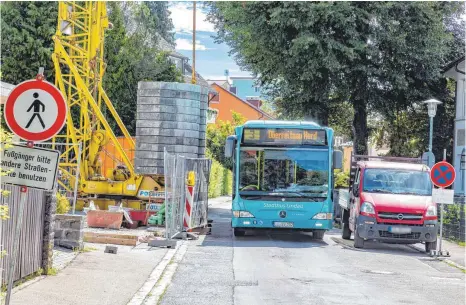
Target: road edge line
[
  {"x": 140, "y": 296},
  {"x": 445, "y": 260},
  {"x": 159, "y": 289}
]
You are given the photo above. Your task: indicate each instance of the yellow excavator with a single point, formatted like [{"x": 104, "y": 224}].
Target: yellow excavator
[{"x": 78, "y": 59}]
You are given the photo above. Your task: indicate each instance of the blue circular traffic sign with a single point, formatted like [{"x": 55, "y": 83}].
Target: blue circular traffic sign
[{"x": 442, "y": 174}]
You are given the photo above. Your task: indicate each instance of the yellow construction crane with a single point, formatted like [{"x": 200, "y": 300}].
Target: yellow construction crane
[{"x": 78, "y": 58}]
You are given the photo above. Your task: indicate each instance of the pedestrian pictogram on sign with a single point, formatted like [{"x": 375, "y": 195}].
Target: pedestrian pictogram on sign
[
  {"x": 442, "y": 174},
  {"x": 35, "y": 110}
]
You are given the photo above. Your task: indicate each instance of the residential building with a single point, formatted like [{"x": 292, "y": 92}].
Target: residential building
[
  {"x": 226, "y": 102},
  {"x": 5, "y": 90},
  {"x": 246, "y": 87},
  {"x": 456, "y": 71}
]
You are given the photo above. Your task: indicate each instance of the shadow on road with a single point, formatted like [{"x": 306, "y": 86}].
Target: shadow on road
[
  {"x": 376, "y": 247},
  {"x": 222, "y": 236}
]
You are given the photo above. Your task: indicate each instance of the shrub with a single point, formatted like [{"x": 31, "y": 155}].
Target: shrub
[
  {"x": 63, "y": 205},
  {"x": 341, "y": 179},
  {"x": 220, "y": 180}
]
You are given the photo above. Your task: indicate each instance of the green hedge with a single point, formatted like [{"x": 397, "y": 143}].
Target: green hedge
[{"x": 220, "y": 180}]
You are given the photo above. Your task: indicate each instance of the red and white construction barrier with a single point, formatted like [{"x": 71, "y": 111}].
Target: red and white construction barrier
[{"x": 188, "y": 206}]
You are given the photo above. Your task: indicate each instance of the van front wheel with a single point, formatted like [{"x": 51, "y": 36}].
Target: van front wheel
[
  {"x": 430, "y": 246},
  {"x": 358, "y": 241}
]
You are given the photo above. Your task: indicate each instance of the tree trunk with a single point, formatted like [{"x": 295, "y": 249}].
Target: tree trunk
[{"x": 360, "y": 133}]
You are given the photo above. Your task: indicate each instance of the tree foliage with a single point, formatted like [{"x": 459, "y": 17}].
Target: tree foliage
[
  {"x": 27, "y": 29},
  {"x": 319, "y": 55},
  {"x": 131, "y": 58},
  {"x": 217, "y": 135}
]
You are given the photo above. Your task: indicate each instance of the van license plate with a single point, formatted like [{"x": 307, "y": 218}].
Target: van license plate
[
  {"x": 281, "y": 224},
  {"x": 399, "y": 230}
]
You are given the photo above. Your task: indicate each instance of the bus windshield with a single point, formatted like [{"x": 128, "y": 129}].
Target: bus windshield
[
  {"x": 283, "y": 173},
  {"x": 397, "y": 182}
]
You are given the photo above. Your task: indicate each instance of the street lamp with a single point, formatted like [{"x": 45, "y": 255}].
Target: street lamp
[{"x": 431, "y": 110}]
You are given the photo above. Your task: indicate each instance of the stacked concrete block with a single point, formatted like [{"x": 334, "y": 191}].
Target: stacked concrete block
[
  {"x": 69, "y": 231},
  {"x": 171, "y": 116}
]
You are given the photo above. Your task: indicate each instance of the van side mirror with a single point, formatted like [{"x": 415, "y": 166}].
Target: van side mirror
[
  {"x": 230, "y": 146},
  {"x": 337, "y": 159},
  {"x": 356, "y": 191}
]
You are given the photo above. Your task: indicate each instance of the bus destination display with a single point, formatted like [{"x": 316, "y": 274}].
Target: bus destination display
[{"x": 274, "y": 136}]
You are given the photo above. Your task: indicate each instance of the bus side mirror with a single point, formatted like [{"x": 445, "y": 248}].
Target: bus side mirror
[
  {"x": 230, "y": 146},
  {"x": 337, "y": 159}
]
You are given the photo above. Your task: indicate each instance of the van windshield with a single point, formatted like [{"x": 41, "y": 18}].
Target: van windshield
[{"x": 397, "y": 182}]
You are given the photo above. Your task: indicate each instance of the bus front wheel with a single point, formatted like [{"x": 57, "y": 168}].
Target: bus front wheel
[
  {"x": 318, "y": 234},
  {"x": 239, "y": 232}
]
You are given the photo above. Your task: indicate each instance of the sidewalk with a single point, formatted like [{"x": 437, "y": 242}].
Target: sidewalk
[
  {"x": 95, "y": 278},
  {"x": 457, "y": 252}
]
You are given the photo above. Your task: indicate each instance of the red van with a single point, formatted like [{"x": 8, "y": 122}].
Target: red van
[{"x": 391, "y": 202}]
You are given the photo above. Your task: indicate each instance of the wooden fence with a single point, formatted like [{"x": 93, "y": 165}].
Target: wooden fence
[{"x": 30, "y": 252}]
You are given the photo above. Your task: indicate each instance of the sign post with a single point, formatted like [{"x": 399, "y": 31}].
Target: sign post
[
  {"x": 35, "y": 111},
  {"x": 14, "y": 255},
  {"x": 442, "y": 175}
]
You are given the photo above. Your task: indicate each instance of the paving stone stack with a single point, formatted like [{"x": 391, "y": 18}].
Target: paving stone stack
[{"x": 171, "y": 116}]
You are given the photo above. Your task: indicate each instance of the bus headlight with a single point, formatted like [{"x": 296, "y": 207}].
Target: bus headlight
[
  {"x": 239, "y": 214},
  {"x": 323, "y": 216}
]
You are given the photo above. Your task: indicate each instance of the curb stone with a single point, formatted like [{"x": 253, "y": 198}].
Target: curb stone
[{"x": 156, "y": 275}]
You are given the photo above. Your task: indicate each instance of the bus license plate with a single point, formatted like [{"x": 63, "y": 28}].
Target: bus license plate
[
  {"x": 280, "y": 224},
  {"x": 399, "y": 230}
]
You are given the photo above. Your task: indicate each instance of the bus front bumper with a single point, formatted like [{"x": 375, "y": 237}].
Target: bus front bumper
[{"x": 255, "y": 223}]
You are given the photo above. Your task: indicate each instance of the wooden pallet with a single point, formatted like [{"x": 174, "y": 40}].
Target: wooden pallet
[{"x": 113, "y": 239}]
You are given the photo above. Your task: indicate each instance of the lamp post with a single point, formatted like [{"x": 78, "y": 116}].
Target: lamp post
[{"x": 431, "y": 110}]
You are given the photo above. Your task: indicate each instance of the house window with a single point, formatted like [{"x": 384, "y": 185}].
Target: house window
[
  {"x": 214, "y": 98},
  {"x": 256, "y": 89}
]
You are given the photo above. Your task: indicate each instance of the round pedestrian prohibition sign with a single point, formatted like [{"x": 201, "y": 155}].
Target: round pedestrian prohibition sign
[
  {"x": 35, "y": 110},
  {"x": 442, "y": 174}
]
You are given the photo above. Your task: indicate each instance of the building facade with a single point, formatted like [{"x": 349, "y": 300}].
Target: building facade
[
  {"x": 226, "y": 102},
  {"x": 246, "y": 87},
  {"x": 456, "y": 71}
]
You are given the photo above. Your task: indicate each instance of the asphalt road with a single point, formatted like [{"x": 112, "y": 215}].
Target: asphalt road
[{"x": 292, "y": 268}]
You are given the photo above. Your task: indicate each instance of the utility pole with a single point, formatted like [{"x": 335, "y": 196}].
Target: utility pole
[{"x": 193, "y": 76}]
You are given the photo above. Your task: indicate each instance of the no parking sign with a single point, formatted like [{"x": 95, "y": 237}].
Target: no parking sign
[{"x": 442, "y": 174}]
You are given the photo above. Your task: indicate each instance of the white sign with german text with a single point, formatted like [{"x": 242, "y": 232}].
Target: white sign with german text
[
  {"x": 443, "y": 196},
  {"x": 31, "y": 167}
]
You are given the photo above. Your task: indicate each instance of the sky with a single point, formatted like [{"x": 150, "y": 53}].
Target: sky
[{"x": 212, "y": 59}]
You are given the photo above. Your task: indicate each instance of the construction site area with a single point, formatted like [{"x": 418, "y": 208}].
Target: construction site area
[{"x": 307, "y": 177}]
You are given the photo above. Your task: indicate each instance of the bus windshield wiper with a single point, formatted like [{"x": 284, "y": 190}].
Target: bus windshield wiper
[{"x": 302, "y": 194}]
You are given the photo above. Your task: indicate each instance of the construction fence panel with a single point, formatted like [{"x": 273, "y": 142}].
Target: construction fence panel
[
  {"x": 174, "y": 195},
  {"x": 199, "y": 209},
  {"x": 176, "y": 169},
  {"x": 29, "y": 259}
]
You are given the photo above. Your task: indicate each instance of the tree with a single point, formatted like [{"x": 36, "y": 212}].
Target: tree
[
  {"x": 322, "y": 54},
  {"x": 217, "y": 135},
  {"x": 26, "y": 40},
  {"x": 163, "y": 23},
  {"x": 130, "y": 59}
]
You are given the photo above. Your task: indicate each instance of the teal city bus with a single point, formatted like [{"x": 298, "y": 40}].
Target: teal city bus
[{"x": 282, "y": 176}]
